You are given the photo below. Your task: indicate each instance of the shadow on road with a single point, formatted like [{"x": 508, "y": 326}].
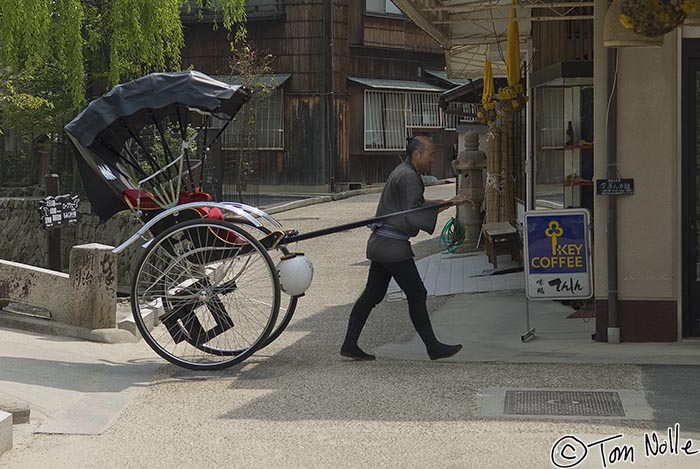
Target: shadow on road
[{"x": 82, "y": 377}]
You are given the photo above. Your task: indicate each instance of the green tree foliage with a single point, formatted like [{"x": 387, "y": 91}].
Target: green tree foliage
[{"x": 52, "y": 51}]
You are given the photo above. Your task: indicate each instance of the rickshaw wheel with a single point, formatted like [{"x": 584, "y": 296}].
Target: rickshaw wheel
[
  {"x": 219, "y": 291},
  {"x": 286, "y": 312}
]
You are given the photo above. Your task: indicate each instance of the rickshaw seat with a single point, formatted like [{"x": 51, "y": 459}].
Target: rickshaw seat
[{"x": 147, "y": 202}]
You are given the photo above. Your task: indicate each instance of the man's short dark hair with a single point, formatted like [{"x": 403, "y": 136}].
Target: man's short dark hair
[{"x": 415, "y": 144}]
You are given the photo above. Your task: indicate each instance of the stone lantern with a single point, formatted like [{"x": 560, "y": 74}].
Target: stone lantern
[{"x": 469, "y": 166}]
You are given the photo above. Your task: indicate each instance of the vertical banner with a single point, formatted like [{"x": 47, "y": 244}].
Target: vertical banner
[{"x": 558, "y": 255}]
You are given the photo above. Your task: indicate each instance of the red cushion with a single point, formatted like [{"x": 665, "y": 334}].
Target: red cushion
[
  {"x": 147, "y": 203},
  {"x": 196, "y": 196},
  {"x": 213, "y": 213}
]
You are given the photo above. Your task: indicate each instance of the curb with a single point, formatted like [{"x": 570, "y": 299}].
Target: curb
[
  {"x": 333, "y": 197},
  {"x": 298, "y": 204},
  {"x": 19, "y": 411},
  {"x": 5, "y": 432},
  {"x": 49, "y": 327},
  {"x": 126, "y": 322},
  {"x": 321, "y": 199}
]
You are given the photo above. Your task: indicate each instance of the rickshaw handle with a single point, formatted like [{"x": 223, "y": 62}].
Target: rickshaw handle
[{"x": 358, "y": 224}]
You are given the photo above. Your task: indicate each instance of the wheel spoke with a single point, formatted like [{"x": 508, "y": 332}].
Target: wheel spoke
[{"x": 219, "y": 307}]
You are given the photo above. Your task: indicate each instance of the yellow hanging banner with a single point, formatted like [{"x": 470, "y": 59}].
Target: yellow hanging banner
[
  {"x": 513, "y": 49},
  {"x": 487, "y": 94}
]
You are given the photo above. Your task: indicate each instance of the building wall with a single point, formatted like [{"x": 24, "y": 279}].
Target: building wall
[
  {"x": 363, "y": 46},
  {"x": 398, "y": 33},
  {"x": 561, "y": 40},
  {"x": 649, "y": 220},
  {"x": 296, "y": 44}
]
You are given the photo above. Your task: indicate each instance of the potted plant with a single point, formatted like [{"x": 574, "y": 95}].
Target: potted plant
[
  {"x": 654, "y": 18},
  {"x": 487, "y": 113},
  {"x": 511, "y": 99}
]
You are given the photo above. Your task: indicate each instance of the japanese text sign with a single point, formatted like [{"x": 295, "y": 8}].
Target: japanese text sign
[
  {"x": 558, "y": 255},
  {"x": 58, "y": 210}
]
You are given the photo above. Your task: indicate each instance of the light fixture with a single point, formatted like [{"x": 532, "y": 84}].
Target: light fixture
[{"x": 616, "y": 35}]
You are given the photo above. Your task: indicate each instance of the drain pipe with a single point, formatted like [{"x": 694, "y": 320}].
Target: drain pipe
[
  {"x": 611, "y": 173},
  {"x": 328, "y": 37}
]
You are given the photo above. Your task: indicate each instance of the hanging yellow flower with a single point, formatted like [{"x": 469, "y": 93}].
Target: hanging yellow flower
[{"x": 653, "y": 18}]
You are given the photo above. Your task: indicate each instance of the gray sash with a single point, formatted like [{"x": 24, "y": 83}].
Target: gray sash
[{"x": 388, "y": 231}]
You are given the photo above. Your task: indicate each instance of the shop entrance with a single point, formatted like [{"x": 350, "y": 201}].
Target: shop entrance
[{"x": 691, "y": 187}]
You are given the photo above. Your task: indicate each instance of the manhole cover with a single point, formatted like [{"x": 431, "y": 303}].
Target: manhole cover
[{"x": 569, "y": 403}]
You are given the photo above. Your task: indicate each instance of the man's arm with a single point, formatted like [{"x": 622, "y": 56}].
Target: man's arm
[{"x": 458, "y": 199}]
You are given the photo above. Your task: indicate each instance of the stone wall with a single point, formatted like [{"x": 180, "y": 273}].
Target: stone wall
[
  {"x": 22, "y": 238},
  {"x": 86, "y": 297}
]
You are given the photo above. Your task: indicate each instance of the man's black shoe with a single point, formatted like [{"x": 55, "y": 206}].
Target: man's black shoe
[
  {"x": 444, "y": 351},
  {"x": 356, "y": 353}
]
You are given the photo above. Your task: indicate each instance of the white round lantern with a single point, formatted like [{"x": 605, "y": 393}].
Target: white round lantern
[{"x": 295, "y": 272}]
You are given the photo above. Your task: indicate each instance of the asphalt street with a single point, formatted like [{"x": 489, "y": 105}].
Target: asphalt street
[{"x": 298, "y": 403}]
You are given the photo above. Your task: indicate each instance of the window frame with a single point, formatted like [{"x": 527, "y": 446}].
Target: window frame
[
  {"x": 274, "y": 135},
  {"x": 375, "y": 119},
  {"x": 384, "y": 13}
]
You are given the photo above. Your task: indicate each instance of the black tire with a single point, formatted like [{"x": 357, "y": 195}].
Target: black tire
[{"x": 203, "y": 280}]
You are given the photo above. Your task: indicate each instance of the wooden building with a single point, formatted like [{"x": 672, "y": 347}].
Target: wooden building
[{"x": 349, "y": 91}]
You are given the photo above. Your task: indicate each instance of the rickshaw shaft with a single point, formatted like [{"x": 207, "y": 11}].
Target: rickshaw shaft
[{"x": 358, "y": 224}]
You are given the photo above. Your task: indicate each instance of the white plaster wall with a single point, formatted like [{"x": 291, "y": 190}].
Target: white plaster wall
[{"x": 647, "y": 150}]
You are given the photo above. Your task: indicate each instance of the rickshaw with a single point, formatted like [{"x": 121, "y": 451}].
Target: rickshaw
[{"x": 219, "y": 273}]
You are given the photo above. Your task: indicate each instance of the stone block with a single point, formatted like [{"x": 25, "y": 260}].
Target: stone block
[
  {"x": 150, "y": 313},
  {"x": 86, "y": 297},
  {"x": 93, "y": 281},
  {"x": 5, "y": 432},
  {"x": 20, "y": 411}
]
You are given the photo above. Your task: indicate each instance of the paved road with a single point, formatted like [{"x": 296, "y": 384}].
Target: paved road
[{"x": 299, "y": 404}]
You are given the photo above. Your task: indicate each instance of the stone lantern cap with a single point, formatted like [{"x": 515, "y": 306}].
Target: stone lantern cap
[{"x": 471, "y": 158}]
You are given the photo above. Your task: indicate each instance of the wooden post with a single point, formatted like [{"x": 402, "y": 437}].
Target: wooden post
[
  {"x": 493, "y": 203},
  {"x": 54, "y": 236},
  {"x": 507, "y": 171},
  {"x": 218, "y": 177}
]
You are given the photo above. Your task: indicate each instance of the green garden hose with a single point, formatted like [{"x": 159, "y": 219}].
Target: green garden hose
[{"x": 452, "y": 236}]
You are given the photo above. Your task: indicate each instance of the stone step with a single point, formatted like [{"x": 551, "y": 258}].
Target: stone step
[
  {"x": 5, "y": 431},
  {"x": 27, "y": 310},
  {"x": 150, "y": 314},
  {"x": 39, "y": 320},
  {"x": 19, "y": 410},
  {"x": 40, "y": 325}
]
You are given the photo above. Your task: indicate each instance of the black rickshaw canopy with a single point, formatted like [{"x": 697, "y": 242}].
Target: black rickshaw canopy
[{"x": 102, "y": 129}]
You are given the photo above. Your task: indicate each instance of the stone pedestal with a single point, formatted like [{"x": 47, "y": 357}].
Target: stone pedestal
[
  {"x": 5, "y": 432},
  {"x": 86, "y": 297},
  {"x": 469, "y": 166},
  {"x": 93, "y": 278}
]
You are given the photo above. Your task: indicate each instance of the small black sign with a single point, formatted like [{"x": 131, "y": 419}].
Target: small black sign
[
  {"x": 614, "y": 186},
  {"x": 58, "y": 210}
]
